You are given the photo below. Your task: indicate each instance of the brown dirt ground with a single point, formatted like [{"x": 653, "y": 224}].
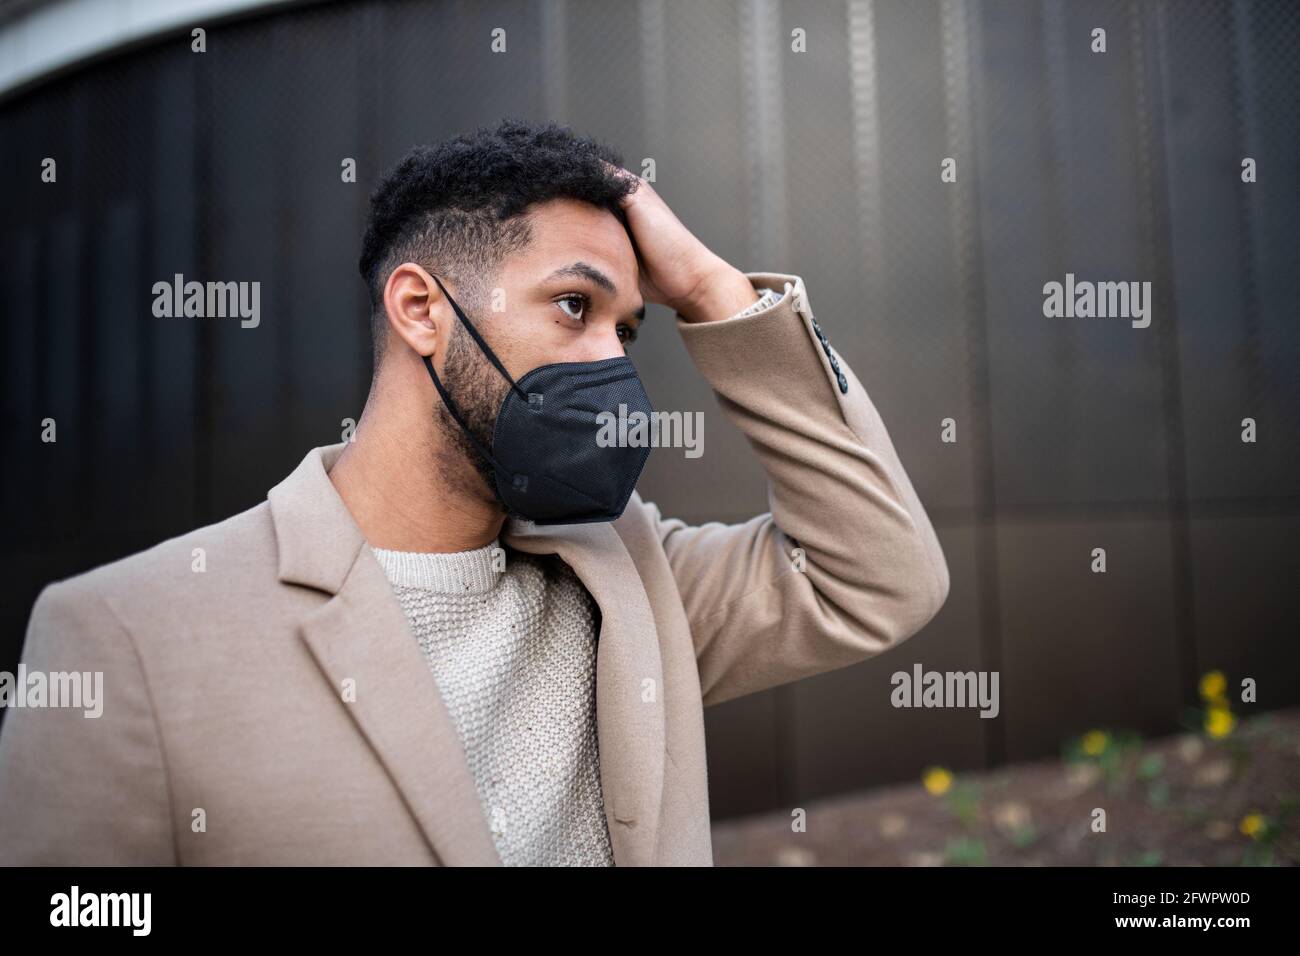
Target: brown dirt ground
[{"x": 1178, "y": 801}]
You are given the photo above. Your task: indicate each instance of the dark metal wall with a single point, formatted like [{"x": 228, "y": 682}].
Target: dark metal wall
[{"x": 1072, "y": 434}]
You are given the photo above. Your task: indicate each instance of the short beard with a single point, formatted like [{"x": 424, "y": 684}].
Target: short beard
[{"x": 477, "y": 389}]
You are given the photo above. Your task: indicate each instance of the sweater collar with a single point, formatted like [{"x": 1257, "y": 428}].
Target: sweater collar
[{"x": 460, "y": 572}]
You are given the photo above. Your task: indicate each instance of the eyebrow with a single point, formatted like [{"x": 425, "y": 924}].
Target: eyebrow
[{"x": 584, "y": 270}]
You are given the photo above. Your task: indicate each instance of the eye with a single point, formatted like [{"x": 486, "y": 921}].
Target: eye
[
  {"x": 584, "y": 301},
  {"x": 626, "y": 334}
]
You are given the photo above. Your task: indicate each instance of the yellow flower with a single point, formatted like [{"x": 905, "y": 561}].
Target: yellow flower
[
  {"x": 1094, "y": 742},
  {"x": 1252, "y": 825},
  {"x": 1219, "y": 721},
  {"x": 1213, "y": 685},
  {"x": 937, "y": 781}
]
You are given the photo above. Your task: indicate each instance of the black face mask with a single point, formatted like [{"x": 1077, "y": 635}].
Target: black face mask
[{"x": 547, "y": 463}]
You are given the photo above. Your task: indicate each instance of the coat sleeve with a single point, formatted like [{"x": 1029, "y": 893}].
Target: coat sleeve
[
  {"x": 845, "y": 564},
  {"x": 79, "y": 790}
]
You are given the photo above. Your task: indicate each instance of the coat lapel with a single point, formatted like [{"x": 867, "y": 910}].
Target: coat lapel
[
  {"x": 361, "y": 635},
  {"x": 629, "y": 679}
]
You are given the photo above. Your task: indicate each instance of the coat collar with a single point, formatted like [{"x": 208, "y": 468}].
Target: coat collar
[{"x": 361, "y": 635}]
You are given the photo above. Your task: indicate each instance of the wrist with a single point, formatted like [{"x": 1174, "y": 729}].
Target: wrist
[{"x": 720, "y": 294}]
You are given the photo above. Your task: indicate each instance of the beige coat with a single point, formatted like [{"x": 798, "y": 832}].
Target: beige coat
[{"x": 226, "y": 737}]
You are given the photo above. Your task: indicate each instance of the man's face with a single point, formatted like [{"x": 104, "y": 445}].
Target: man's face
[{"x": 571, "y": 296}]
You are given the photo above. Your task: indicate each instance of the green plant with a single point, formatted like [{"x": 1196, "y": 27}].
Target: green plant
[
  {"x": 964, "y": 800},
  {"x": 966, "y": 851}
]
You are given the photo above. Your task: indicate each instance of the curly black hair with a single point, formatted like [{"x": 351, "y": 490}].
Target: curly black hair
[{"x": 459, "y": 207}]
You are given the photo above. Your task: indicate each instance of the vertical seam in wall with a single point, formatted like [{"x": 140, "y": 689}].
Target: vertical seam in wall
[
  {"x": 86, "y": 225},
  {"x": 283, "y": 305},
  {"x": 41, "y": 352},
  {"x": 1246, "y": 129},
  {"x": 205, "y": 241},
  {"x": 761, "y": 53},
  {"x": 863, "y": 91},
  {"x": 1058, "y": 176},
  {"x": 371, "y": 67},
  {"x": 554, "y": 60},
  {"x": 765, "y": 217},
  {"x": 960, "y": 42},
  {"x": 654, "y": 74},
  {"x": 146, "y": 367},
  {"x": 1156, "y": 241}
]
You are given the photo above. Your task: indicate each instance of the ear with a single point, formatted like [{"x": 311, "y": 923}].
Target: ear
[{"x": 418, "y": 313}]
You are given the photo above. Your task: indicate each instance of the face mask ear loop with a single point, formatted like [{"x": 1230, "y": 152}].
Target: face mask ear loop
[
  {"x": 469, "y": 327},
  {"x": 460, "y": 420}
]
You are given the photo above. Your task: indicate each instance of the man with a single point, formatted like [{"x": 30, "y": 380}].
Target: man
[{"x": 462, "y": 638}]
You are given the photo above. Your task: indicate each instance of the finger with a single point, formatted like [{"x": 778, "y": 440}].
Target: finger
[
  {"x": 616, "y": 170},
  {"x": 625, "y": 174}
]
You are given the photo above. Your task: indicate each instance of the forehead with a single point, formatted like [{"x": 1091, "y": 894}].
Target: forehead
[{"x": 565, "y": 230}]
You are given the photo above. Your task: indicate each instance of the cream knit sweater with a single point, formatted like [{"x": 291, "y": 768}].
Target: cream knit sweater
[{"x": 514, "y": 655}]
